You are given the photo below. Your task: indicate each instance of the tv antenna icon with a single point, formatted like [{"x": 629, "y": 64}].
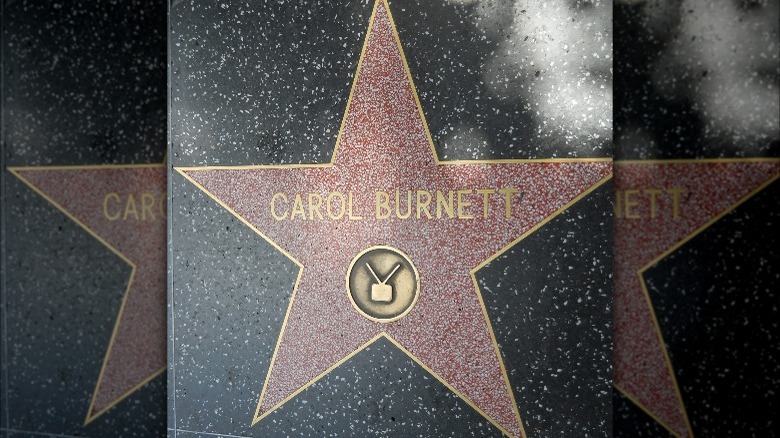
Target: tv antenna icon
[
  {"x": 382, "y": 283},
  {"x": 381, "y": 291}
]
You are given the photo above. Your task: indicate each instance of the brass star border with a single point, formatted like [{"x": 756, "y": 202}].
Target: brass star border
[{"x": 184, "y": 169}]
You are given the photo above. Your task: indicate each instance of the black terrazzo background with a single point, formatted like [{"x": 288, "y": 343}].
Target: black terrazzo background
[
  {"x": 471, "y": 61},
  {"x": 660, "y": 98},
  {"x": 551, "y": 313},
  {"x": 256, "y": 83},
  {"x": 268, "y": 83},
  {"x": 717, "y": 302},
  {"x": 632, "y": 422},
  {"x": 83, "y": 83},
  {"x": 230, "y": 291}
]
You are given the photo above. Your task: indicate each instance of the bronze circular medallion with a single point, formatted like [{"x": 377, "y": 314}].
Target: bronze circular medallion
[{"x": 383, "y": 283}]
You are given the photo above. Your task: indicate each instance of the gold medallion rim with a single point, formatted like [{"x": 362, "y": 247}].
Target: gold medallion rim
[{"x": 417, "y": 284}]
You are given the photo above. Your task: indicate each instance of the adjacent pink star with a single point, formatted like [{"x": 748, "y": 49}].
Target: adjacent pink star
[
  {"x": 124, "y": 208},
  {"x": 659, "y": 206},
  {"x": 384, "y": 145}
]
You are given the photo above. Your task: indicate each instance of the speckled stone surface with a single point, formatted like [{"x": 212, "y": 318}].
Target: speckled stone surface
[
  {"x": 246, "y": 100},
  {"x": 83, "y": 84},
  {"x": 695, "y": 79},
  {"x": 632, "y": 422},
  {"x": 555, "y": 308},
  {"x": 704, "y": 298}
]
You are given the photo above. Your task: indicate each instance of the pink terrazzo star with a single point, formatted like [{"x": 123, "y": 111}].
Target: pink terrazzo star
[
  {"x": 384, "y": 145},
  {"x": 703, "y": 192},
  {"x": 97, "y": 198}
]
